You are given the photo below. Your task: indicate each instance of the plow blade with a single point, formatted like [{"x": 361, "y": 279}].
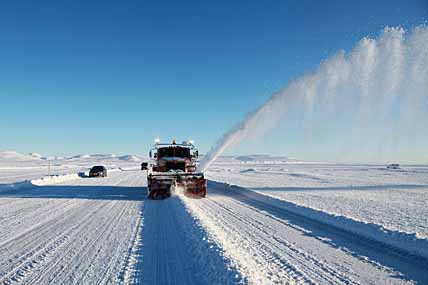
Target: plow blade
[
  {"x": 161, "y": 185},
  {"x": 195, "y": 187},
  {"x": 159, "y": 188}
]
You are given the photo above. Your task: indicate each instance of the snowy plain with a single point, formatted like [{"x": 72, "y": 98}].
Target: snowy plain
[
  {"x": 265, "y": 221},
  {"x": 15, "y": 167},
  {"x": 394, "y": 199}
]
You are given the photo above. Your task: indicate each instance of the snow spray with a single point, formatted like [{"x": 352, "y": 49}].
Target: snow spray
[{"x": 380, "y": 89}]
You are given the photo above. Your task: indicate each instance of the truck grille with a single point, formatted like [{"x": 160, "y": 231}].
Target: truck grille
[{"x": 175, "y": 165}]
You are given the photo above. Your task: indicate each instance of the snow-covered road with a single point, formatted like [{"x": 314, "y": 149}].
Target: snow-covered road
[
  {"x": 102, "y": 230},
  {"x": 74, "y": 232},
  {"x": 87, "y": 231},
  {"x": 271, "y": 245}
]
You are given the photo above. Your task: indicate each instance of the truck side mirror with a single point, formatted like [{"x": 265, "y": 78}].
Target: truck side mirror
[{"x": 150, "y": 154}]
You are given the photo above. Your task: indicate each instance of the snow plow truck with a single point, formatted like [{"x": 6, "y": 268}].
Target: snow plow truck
[{"x": 173, "y": 168}]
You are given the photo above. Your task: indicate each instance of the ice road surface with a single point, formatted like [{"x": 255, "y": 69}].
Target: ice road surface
[{"x": 280, "y": 226}]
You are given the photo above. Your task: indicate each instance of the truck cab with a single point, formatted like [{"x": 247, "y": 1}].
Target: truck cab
[
  {"x": 173, "y": 166},
  {"x": 175, "y": 157}
]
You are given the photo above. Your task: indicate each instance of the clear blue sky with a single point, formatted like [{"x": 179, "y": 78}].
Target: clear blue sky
[{"x": 109, "y": 76}]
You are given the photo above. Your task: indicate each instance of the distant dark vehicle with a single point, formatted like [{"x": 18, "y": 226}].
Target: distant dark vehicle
[
  {"x": 98, "y": 171},
  {"x": 393, "y": 166},
  {"x": 144, "y": 166}
]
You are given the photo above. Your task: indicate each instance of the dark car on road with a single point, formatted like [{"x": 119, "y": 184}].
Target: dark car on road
[
  {"x": 393, "y": 166},
  {"x": 144, "y": 166},
  {"x": 98, "y": 171}
]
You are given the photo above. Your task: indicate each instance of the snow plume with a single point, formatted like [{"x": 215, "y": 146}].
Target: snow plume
[{"x": 372, "y": 100}]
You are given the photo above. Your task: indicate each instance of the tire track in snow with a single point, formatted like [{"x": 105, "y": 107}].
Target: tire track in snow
[
  {"x": 18, "y": 220},
  {"x": 273, "y": 250},
  {"x": 121, "y": 259},
  {"x": 44, "y": 246},
  {"x": 51, "y": 271},
  {"x": 176, "y": 250},
  {"x": 48, "y": 247},
  {"x": 128, "y": 274},
  {"x": 87, "y": 250},
  {"x": 39, "y": 228}
]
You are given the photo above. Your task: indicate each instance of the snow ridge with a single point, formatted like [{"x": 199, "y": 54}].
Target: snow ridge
[{"x": 400, "y": 241}]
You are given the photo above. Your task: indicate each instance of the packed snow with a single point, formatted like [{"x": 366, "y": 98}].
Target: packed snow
[
  {"x": 265, "y": 220},
  {"x": 356, "y": 197}
]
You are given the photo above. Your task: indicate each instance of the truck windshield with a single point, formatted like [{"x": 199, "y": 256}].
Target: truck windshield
[{"x": 174, "y": 151}]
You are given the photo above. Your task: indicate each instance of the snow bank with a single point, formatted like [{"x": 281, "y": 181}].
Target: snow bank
[
  {"x": 53, "y": 179},
  {"x": 399, "y": 241},
  {"x": 134, "y": 168},
  {"x": 47, "y": 180}
]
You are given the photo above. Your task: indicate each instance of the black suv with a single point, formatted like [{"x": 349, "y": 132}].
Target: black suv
[
  {"x": 144, "y": 166},
  {"x": 98, "y": 171}
]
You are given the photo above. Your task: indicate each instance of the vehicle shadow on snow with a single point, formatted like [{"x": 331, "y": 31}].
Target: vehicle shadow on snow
[
  {"x": 98, "y": 192},
  {"x": 175, "y": 249},
  {"x": 409, "y": 267}
]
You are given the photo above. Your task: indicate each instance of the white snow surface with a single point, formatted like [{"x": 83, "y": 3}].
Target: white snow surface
[
  {"x": 285, "y": 223},
  {"x": 15, "y": 167},
  {"x": 365, "y": 199},
  {"x": 103, "y": 230}
]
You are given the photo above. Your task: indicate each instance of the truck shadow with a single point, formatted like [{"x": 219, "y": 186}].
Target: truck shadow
[
  {"x": 175, "y": 248},
  {"x": 98, "y": 192}
]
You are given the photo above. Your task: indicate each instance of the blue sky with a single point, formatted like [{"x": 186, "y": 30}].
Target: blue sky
[{"x": 109, "y": 76}]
